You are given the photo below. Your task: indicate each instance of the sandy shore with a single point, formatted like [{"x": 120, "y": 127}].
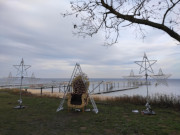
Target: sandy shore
[
  {"x": 46, "y": 93},
  {"x": 60, "y": 95}
]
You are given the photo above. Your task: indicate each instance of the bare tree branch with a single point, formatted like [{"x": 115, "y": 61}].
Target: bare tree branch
[
  {"x": 132, "y": 19},
  {"x": 169, "y": 8},
  {"x": 110, "y": 15}
]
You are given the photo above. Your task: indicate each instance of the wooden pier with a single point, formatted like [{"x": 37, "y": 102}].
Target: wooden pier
[
  {"x": 104, "y": 87},
  {"x": 104, "y": 92}
]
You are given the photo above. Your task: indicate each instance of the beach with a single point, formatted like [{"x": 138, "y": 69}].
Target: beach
[{"x": 60, "y": 94}]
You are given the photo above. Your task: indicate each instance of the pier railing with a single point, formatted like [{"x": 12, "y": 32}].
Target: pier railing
[{"x": 105, "y": 87}]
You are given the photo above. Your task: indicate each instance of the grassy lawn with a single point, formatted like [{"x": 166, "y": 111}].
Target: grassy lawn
[{"x": 40, "y": 118}]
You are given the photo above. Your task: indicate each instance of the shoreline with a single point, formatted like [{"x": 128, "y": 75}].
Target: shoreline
[
  {"x": 60, "y": 94},
  {"x": 98, "y": 96}
]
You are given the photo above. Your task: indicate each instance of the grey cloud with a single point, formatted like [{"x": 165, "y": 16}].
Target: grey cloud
[{"x": 36, "y": 31}]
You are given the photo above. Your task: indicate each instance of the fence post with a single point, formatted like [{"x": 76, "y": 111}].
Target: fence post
[
  {"x": 52, "y": 89},
  {"x": 41, "y": 91}
]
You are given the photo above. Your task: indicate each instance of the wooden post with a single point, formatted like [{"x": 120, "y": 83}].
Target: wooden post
[
  {"x": 52, "y": 89},
  {"x": 41, "y": 91}
]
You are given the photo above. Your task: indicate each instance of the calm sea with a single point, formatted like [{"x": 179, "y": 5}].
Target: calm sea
[{"x": 171, "y": 87}]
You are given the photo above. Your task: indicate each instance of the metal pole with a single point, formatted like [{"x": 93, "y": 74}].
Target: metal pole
[
  {"x": 59, "y": 88},
  {"x": 64, "y": 87},
  {"x": 21, "y": 91},
  {"x": 147, "y": 98},
  {"x": 99, "y": 88},
  {"x": 95, "y": 87},
  {"x": 20, "y": 102}
]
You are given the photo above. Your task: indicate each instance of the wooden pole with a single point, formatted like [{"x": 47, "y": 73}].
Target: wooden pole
[
  {"x": 52, "y": 89},
  {"x": 41, "y": 91}
]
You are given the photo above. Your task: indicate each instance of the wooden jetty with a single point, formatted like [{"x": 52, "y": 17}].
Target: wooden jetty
[
  {"x": 105, "y": 87},
  {"x": 130, "y": 88}
]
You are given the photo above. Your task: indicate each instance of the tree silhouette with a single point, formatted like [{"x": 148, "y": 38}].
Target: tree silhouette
[{"x": 111, "y": 15}]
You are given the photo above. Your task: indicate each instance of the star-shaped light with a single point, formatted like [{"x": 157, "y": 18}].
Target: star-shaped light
[
  {"x": 161, "y": 78},
  {"x": 146, "y": 64},
  {"x": 21, "y": 68},
  {"x": 132, "y": 77}
]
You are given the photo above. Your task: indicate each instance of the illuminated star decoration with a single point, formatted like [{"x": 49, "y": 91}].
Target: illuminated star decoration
[
  {"x": 145, "y": 64},
  {"x": 21, "y": 68},
  {"x": 132, "y": 77},
  {"x": 161, "y": 78}
]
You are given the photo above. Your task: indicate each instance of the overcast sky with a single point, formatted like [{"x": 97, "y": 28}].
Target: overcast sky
[{"x": 35, "y": 31}]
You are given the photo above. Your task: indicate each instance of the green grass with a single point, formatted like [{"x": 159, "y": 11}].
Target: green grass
[{"x": 40, "y": 118}]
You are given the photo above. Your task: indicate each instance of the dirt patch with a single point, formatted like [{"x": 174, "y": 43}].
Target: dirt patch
[
  {"x": 83, "y": 128},
  {"x": 109, "y": 131}
]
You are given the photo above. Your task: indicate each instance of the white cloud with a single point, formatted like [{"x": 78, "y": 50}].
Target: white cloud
[
  {"x": 4, "y": 58},
  {"x": 49, "y": 64}
]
